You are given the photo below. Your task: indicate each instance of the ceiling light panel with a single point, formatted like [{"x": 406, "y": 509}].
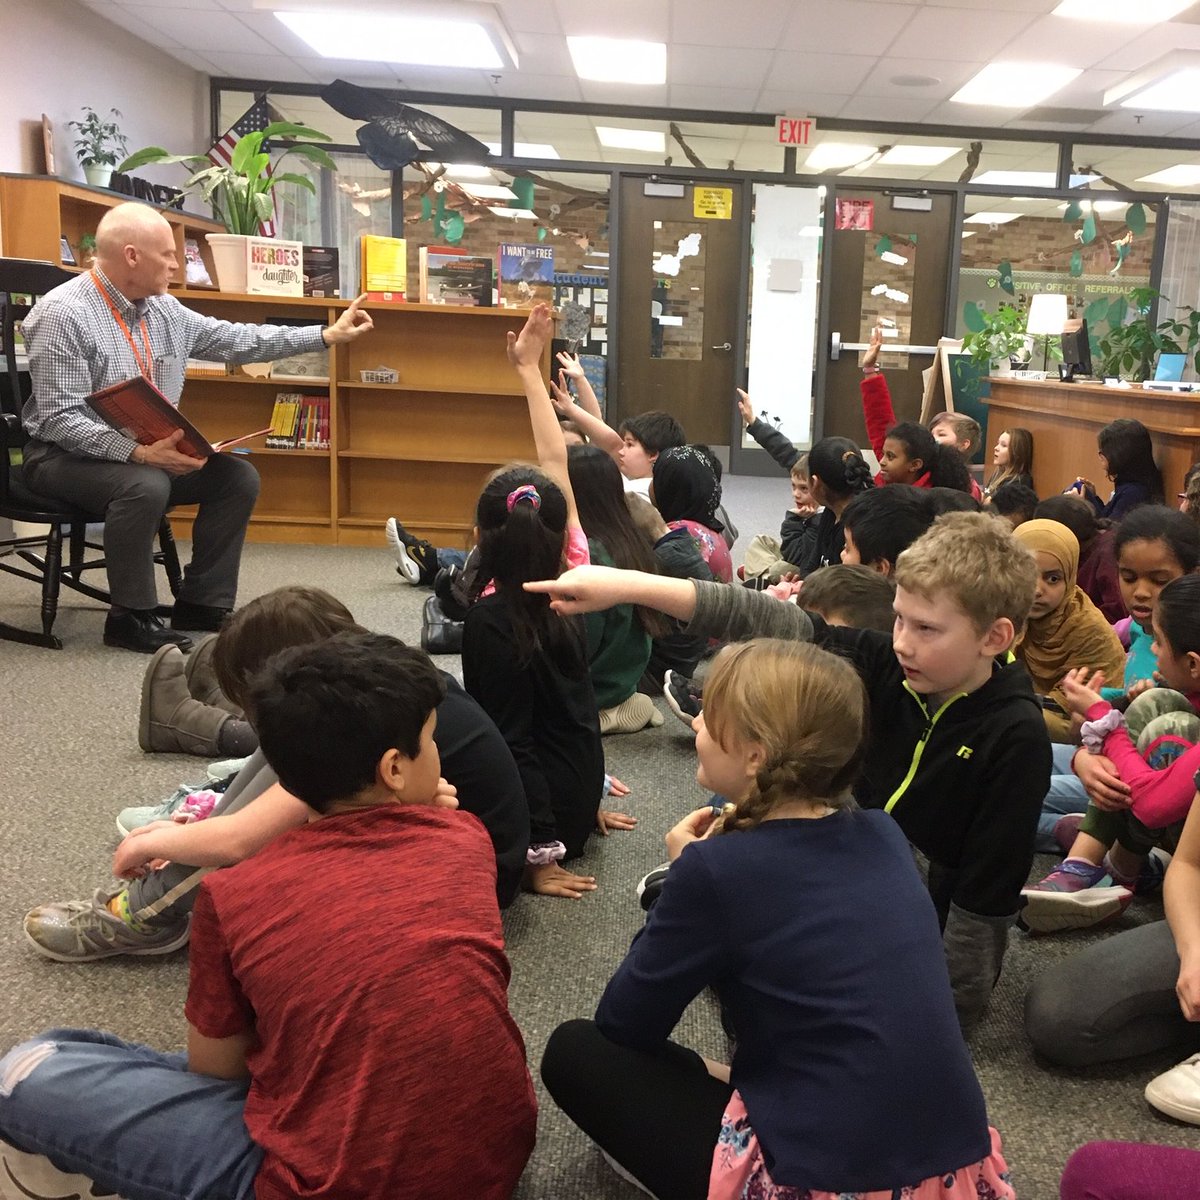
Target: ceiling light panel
[
  {"x": 619, "y": 60},
  {"x": 832, "y": 156},
  {"x": 1180, "y": 175},
  {"x": 653, "y": 141},
  {"x": 1121, "y": 12},
  {"x": 384, "y": 37},
  {"x": 918, "y": 156},
  {"x": 1015, "y": 84},
  {"x": 527, "y": 149},
  {"x": 991, "y": 218},
  {"x": 1178, "y": 92}
]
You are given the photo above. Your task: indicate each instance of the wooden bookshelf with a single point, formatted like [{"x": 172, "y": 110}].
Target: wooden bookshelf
[
  {"x": 36, "y": 211},
  {"x": 419, "y": 449}
]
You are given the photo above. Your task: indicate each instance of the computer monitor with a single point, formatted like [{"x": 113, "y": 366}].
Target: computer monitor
[{"x": 1076, "y": 350}]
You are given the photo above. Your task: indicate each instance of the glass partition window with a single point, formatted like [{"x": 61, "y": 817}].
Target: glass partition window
[
  {"x": 1090, "y": 250},
  {"x": 1137, "y": 169}
]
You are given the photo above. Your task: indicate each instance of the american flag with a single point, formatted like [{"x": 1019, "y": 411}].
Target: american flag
[{"x": 254, "y": 120}]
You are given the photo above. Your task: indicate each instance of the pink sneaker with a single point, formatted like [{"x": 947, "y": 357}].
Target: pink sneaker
[{"x": 1077, "y": 895}]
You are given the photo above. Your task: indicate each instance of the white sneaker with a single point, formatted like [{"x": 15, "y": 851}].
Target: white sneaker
[
  {"x": 625, "y": 1175},
  {"x": 24, "y": 1175},
  {"x": 1177, "y": 1092}
]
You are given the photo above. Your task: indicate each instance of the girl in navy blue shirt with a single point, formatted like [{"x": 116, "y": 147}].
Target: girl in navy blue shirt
[
  {"x": 1127, "y": 456},
  {"x": 849, "y": 1074}
]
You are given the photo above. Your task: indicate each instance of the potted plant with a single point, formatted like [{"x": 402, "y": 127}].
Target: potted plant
[
  {"x": 99, "y": 145},
  {"x": 994, "y": 339},
  {"x": 240, "y": 192},
  {"x": 1128, "y": 349}
]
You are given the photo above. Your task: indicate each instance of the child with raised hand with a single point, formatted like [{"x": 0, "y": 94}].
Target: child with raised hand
[
  {"x": 1126, "y": 454},
  {"x": 1153, "y": 545},
  {"x": 311, "y": 963},
  {"x": 1066, "y": 630},
  {"x": 832, "y": 978},
  {"x": 1154, "y": 750},
  {"x": 1012, "y": 458},
  {"x": 527, "y": 668},
  {"x": 958, "y": 752}
]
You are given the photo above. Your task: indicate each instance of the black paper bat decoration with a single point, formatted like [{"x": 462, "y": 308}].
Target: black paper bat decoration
[{"x": 396, "y": 134}]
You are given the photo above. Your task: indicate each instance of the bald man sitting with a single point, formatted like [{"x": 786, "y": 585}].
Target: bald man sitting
[{"x": 106, "y": 326}]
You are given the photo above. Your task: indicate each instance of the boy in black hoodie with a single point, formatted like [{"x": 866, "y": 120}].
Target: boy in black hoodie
[{"x": 959, "y": 753}]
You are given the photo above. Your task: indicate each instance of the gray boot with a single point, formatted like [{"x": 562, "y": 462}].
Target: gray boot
[
  {"x": 202, "y": 680},
  {"x": 170, "y": 719}
]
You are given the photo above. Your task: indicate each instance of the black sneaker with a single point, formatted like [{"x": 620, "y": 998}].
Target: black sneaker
[
  {"x": 685, "y": 696},
  {"x": 651, "y": 884},
  {"x": 445, "y": 588},
  {"x": 416, "y": 559}
]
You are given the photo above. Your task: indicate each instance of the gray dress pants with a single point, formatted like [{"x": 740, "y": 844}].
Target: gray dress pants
[{"x": 133, "y": 499}]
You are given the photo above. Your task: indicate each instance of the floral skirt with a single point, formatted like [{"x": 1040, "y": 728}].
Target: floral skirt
[{"x": 739, "y": 1173}]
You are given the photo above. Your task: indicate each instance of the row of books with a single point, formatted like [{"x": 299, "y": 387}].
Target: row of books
[
  {"x": 447, "y": 275},
  {"x": 299, "y": 422}
]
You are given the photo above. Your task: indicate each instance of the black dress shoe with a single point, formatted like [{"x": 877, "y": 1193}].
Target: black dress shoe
[
  {"x": 141, "y": 631},
  {"x": 186, "y": 615}
]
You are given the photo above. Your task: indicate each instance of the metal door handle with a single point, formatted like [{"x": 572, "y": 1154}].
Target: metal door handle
[
  {"x": 887, "y": 346},
  {"x": 724, "y": 346}
]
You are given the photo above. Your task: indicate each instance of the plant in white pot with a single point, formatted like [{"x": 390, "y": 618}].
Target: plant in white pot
[
  {"x": 240, "y": 191},
  {"x": 99, "y": 145},
  {"x": 995, "y": 339}
]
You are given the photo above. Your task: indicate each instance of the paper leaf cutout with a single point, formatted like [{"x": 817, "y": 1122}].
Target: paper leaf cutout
[
  {"x": 1005, "y": 274},
  {"x": 1135, "y": 218},
  {"x": 1074, "y": 212},
  {"x": 1089, "y": 229},
  {"x": 1076, "y": 264},
  {"x": 973, "y": 318},
  {"x": 453, "y": 228},
  {"x": 1118, "y": 310},
  {"x": 426, "y": 207},
  {"x": 883, "y": 245}
]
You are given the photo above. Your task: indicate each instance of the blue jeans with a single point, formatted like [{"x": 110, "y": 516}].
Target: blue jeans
[
  {"x": 135, "y": 1121},
  {"x": 447, "y": 558},
  {"x": 1066, "y": 795}
]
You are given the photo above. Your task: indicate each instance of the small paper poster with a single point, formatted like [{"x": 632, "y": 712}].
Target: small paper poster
[
  {"x": 855, "y": 214},
  {"x": 274, "y": 267},
  {"x": 713, "y": 203}
]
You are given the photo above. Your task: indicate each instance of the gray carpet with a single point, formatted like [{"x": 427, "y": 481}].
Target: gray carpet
[{"x": 71, "y": 761}]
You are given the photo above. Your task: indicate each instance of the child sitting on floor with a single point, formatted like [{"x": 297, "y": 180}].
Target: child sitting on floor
[
  {"x": 958, "y": 753},
  {"x": 1012, "y": 458},
  {"x": 1126, "y": 454},
  {"x": 527, "y": 668},
  {"x": 686, "y": 490},
  {"x": 291, "y": 1085},
  {"x": 1154, "y": 750},
  {"x": 1014, "y": 502},
  {"x": 832, "y": 978},
  {"x": 1066, "y": 630}
]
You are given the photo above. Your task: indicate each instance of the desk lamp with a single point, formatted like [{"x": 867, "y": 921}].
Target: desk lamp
[{"x": 1047, "y": 316}]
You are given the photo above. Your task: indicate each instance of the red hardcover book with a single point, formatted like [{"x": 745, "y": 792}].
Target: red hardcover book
[{"x": 141, "y": 412}]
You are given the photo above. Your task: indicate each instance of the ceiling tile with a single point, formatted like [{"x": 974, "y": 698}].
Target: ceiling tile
[
  {"x": 711, "y": 99},
  {"x": 528, "y": 86},
  {"x": 1139, "y": 51},
  {"x": 276, "y": 34},
  {"x": 827, "y": 23},
  {"x": 622, "y": 93},
  {"x": 528, "y": 16},
  {"x": 205, "y": 30},
  {"x": 1026, "y": 6},
  {"x": 1152, "y": 124},
  {"x": 801, "y": 102},
  {"x": 543, "y": 54},
  {"x": 132, "y": 21},
  {"x": 913, "y": 107},
  {"x": 206, "y": 5},
  {"x": 837, "y": 73},
  {"x": 952, "y": 32},
  {"x": 615, "y": 19},
  {"x": 951, "y": 74},
  {"x": 697, "y": 66},
  {"x": 1070, "y": 43},
  {"x": 708, "y": 22},
  {"x": 275, "y": 67}
]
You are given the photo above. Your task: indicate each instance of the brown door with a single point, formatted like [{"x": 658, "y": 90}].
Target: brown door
[
  {"x": 679, "y": 279},
  {"x": 891, "y": 270}
]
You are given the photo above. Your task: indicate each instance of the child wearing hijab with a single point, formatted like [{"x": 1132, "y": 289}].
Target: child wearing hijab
[
  {"x": 686, "y": 490},
  {"x": 1065, "y": 630}
]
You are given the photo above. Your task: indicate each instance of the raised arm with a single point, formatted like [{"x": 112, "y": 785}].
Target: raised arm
[
  {"x": 525, "y": 352},
  {"x": 593, "y": 426},
  {"x": 593, "y": 589},
  {"x": 569, "y": 366}
]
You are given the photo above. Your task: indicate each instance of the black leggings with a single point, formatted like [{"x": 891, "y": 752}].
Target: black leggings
[{"x": 657, "y": 1113}]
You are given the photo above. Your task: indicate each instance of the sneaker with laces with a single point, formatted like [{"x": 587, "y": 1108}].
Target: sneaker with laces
[
  {"x": 651, "y": 884},
  {"x": 134, "y": 817},
  {"x": 1154, "y": 871},
  {"x": 1177, "y": 1092},
  {"x": 684, "y": 696},
  {"x": 85, "y": 931},
  {"x": 1076, "y": 895},
  {"x": 23, "y": 1175},
  {"x": 416, "y": 559}
]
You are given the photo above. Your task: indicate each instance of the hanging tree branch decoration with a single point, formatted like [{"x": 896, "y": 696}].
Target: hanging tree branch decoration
[
  {"x": 689, "y": 153},
  {"x": 972, "y": 162}
]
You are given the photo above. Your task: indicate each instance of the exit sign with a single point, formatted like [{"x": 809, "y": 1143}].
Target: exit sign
[{"x": 794, "y": 131}]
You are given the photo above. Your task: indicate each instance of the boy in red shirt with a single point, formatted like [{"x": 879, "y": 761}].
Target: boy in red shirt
[{"x": 348, "y": 1026}]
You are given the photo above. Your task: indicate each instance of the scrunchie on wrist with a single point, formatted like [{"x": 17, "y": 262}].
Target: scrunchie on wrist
[
  {"x": 542, "y": 854},
  {"x": 1093, "y": 733}
]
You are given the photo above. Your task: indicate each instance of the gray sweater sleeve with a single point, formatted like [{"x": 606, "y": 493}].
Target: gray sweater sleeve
[
  {"x": 737, "y": 613},
  {"x": 975, "y": 948}
]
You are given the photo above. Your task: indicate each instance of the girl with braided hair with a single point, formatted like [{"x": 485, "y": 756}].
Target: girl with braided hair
[{"x": 849, "y": 1078}]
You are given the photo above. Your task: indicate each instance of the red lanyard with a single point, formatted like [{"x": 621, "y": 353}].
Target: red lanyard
[{"x": 146, "y": 364}]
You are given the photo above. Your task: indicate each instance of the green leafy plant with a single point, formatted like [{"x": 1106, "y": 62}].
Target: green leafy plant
[
  {"x": 100, "y": 143},
  {"x": 995, "y": 336},
  {"x": 240, "y": 193},
  {"x": 1129, "y": 348}
]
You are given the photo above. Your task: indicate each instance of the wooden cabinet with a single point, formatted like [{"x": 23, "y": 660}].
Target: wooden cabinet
[
  {"x": 419, "y": 449},
  {"x": 36, "y": 211},
  {"x": 1064, "y": 419}
]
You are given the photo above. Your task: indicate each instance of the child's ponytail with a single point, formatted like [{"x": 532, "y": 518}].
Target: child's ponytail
[{"x": 838, "y": 463}]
